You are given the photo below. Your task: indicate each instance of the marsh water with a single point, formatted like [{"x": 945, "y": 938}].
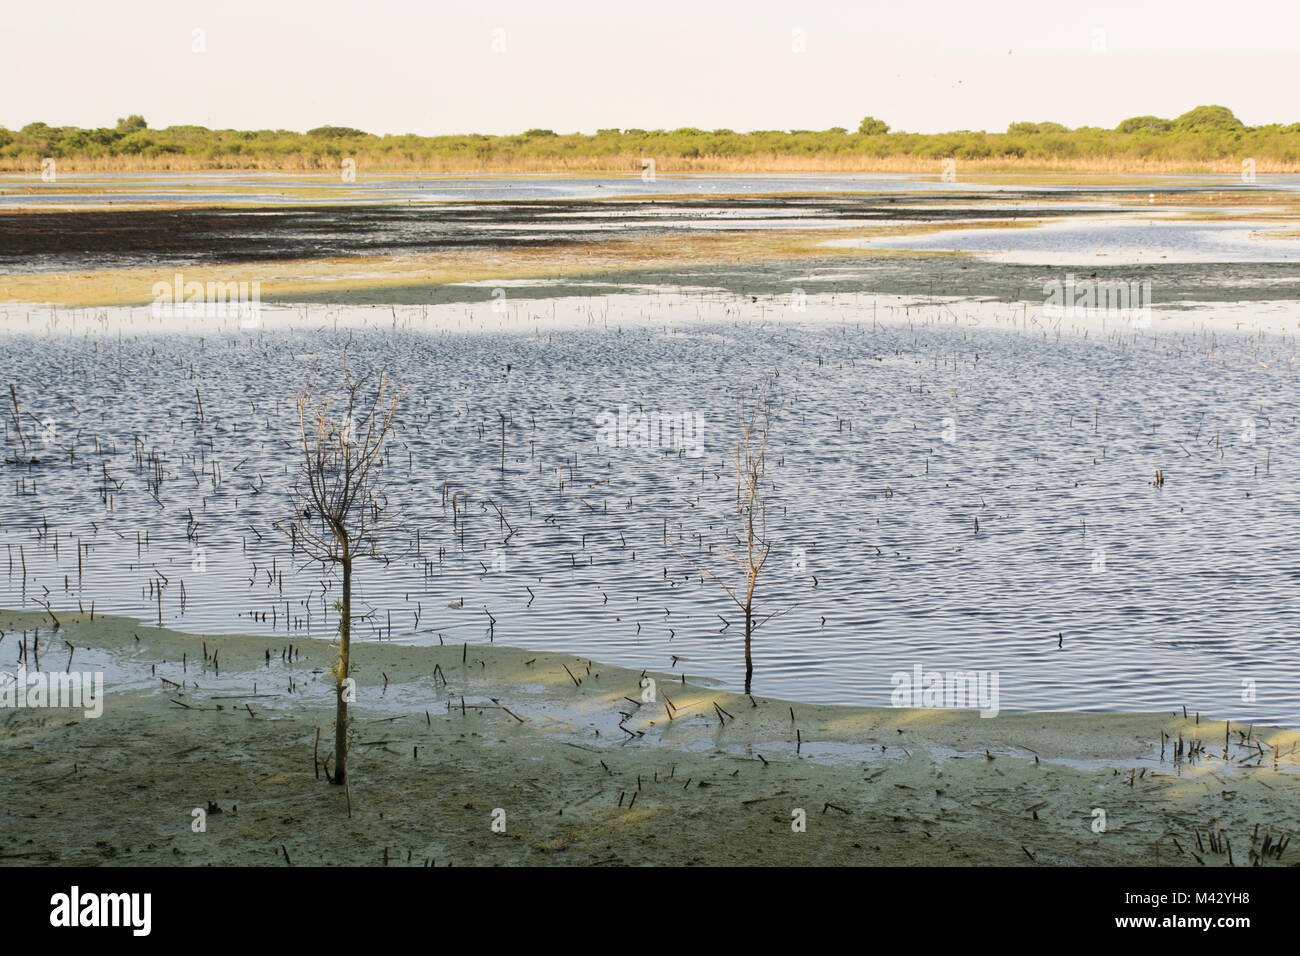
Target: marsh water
[
  {"x": 74, "y": 189},
  {"x": 1098, "y": 510},
  {"x": 1111, "y": 241},
  {"x": 956, "y": 485}
]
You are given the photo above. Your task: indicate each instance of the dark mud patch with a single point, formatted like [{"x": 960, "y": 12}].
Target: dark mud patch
[{"x": 98, "y": 239}]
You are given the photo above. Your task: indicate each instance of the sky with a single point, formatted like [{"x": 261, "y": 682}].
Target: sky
[{"x": 433, "y": 67}]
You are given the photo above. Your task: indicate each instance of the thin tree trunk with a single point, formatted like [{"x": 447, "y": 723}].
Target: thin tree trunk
[
  {"x": 749, "y": 661},
  {"x": 345, "y": 648}
]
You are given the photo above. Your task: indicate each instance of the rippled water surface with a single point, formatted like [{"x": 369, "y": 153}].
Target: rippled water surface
[
  {"x": 1108, "y": 242},
  {"x": 1085, "y": 587}
]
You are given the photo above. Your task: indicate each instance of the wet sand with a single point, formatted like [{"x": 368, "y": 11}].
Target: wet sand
[{"x": 585, "y": 772}]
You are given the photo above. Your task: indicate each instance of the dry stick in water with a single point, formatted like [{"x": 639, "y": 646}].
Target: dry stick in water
[{"x": 13, "y": 394}]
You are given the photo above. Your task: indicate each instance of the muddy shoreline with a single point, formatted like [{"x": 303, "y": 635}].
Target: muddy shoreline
[{"x": 585, "y": 772}]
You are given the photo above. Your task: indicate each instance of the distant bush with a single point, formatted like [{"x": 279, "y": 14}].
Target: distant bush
[
  {"x": 1144, "y": 124},
  {"x": 1208, "y": 118},
  {"x": 335, "y": 132},
  {"x": 1031, "y": 129}
]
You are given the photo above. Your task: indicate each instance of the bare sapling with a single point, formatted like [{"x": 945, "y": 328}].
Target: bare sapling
[
  {"x": 749, "y": 545},
  {"x": 339, "y": 500}
]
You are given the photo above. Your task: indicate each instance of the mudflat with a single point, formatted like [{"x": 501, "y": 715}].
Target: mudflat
[{"x": 579, "y": 762}]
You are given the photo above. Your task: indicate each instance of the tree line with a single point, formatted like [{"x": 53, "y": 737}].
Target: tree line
[{"x": 1206, "y": 134}]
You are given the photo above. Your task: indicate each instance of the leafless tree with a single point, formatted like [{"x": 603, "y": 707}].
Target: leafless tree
[
  {"x": 339, "y": 499},
  {"x": 750, "y": 545}
]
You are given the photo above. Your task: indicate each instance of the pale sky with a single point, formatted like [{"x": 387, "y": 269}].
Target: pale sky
[{"x": 393, "y": 66}]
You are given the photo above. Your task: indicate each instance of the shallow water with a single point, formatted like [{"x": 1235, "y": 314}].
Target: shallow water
[
  {"x": 1157, "y": 597},
  {"x": 81, "y": 190},
  {"x": 278, "y": 188},
  {"x": 1108, "y": 242}
]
